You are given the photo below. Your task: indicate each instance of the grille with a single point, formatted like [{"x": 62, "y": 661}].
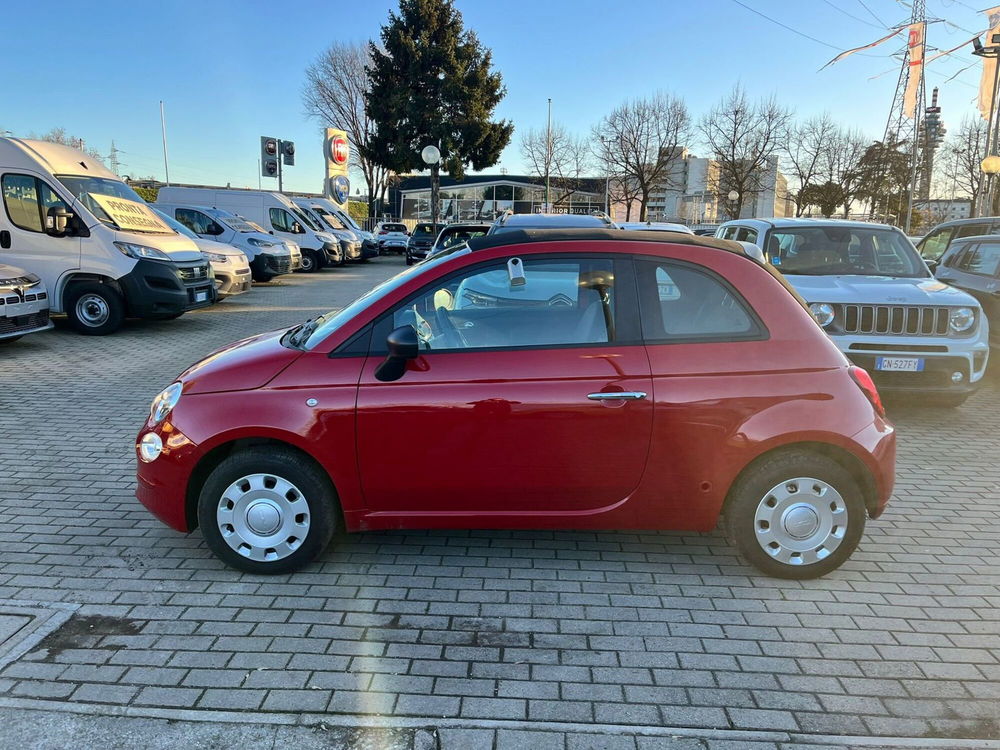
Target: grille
[
  {"x": 24, "y": 322},
  {"x": 13, "y": 300},
  {"x": 194, "y": 273},
  {"x": 279, "y": 265},
  {"x": 896, "y": 320}
]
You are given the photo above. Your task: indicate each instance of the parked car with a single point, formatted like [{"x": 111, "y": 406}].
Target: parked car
[
  {"x": 870, "y": 290},
  {"x": 230, "y": 266},
  {"x": 646, "y": 385},
  {"x": 269, "y": 256},
  {"x": 420, "y": 242},
  {"x": 973, "y": 265},
  {"x": 934, "y": 244},
  {"x": 510, "y": 222},
  {"x": 392, "y": 237},
  {"x": 272, "y": 211},
  {"x": 704, "y": 232},
  {"x": 24, "y": 304},
  {"x": 100, "y": 251},
  {"x": 655, "y": 226},
  {"x": 456, "y": 234}
]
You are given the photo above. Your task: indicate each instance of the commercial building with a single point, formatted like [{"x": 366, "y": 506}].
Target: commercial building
[{"x": 937, "y": 210}]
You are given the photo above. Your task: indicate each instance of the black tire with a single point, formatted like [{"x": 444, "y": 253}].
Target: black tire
[
  {"x": 9, "y": 340},
  {"x": 261, "y": 277},
  {"x": 755, "y": 490},
  {"x": 409, "y": 260},
  {"x": 310, "y": 261},
  {"x": 313, "y": 488},
  {"x": 94, "y": 309}
]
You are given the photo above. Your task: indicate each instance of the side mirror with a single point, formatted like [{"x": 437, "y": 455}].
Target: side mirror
[
  {"x": 932, "y": 265},
  {"x": 56, "y": 221},
  {"x": 403, "y": 345}
]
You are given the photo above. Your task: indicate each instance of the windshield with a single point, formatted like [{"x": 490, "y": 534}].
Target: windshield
[
  {"x": 331, "y": 321},
  {"x": 426, "y": 229},
  {"x": 234, "y": 222},
  {"x": 849, "y": 250},
  {"x": 305, "y": 219},
  {"x": 332, "y": 221},
  {"x": 175, "y": 225},
  {"x": 84, "y": 188}
]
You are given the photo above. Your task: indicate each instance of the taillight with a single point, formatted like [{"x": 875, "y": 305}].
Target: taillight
[{"x": 867, "y": 386}]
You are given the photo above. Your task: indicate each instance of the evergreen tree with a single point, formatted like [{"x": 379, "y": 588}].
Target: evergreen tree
[{"x": 431, "y": 83}]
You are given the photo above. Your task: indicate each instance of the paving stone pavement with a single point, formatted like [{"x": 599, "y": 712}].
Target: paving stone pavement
[{"x": 627, "y": 629}]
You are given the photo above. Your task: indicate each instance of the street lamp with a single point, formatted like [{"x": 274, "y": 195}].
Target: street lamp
[
  {"x": 733, "y": 197},
  {"x": 607, "y": 175},
  {"x": 432, "y": 157}
]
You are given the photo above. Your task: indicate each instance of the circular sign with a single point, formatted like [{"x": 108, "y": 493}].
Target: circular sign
[
  {"x": 341, "y": 188},
  {"x": 339, "y": 150}
]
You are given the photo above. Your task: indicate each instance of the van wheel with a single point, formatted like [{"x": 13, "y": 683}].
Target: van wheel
[
  {"x": 262, "y": 278},
  {"x": 796, "y": 514},
  {"x": 94, "y": 309},
  {"x": 267, "y": 510},
  {"x": 310, "y": 263}
]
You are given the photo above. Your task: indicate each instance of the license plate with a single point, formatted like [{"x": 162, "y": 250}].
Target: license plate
[
  {"x": 900, "y": 364},
  {"x": 200, "y": 296}
]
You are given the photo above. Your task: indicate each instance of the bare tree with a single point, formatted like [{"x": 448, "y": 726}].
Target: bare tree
[
  {"x": 960, "y": 161},
  {"x": 743, "y": 136},
  {"x": 643, "y": 139},
  {"x": 625, "y": 191},
  {"x": 334, "y": 94},
  {"x": 562, "y": 157},
  {"x": 842, "y": 166},
  {"x": 806, "y": 152},
  {"x": 60, "y": 136}
]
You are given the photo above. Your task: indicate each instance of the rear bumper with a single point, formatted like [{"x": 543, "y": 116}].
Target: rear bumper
[
  {"x": 878, "y": 449},
  {"x": 155, "y": 288}
]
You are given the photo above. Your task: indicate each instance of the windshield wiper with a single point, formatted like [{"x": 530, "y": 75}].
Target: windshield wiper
[{"x": 301, "y": 333}]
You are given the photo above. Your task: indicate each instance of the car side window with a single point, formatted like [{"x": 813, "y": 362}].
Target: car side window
[
  {"x": 679, "y": 302},
  {"x": 196, "y": 221},
  {"x": 747, "y": 235},
  {"x": 27, "y": 200},
  {"x": 561, "y": 303},
  {"x": 972, "y": 230},
  {"x": 729, "y": 233},
  {"x": 932, "y": 247},
  {"x": 982, "y": 260}
]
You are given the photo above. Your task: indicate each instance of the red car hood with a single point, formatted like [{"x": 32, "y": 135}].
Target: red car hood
[{"x": 242, "y": 366}]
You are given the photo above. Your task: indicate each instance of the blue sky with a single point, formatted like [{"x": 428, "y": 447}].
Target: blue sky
[{"x": 230, "y": 72}]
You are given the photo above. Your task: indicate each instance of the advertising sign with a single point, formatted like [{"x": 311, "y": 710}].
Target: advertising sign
[
  {"x": 129, "y": 215},
  {"x": 337, "y": 155}
]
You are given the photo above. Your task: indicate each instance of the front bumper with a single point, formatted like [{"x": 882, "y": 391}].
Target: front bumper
[
  {"x": 155, "y": 288},
  {"x": 24, "y": 310},
  {"x": 161, "y": 486},
  {"x": 950, "y": 365},
  {"x": 418, "y": 251},
  {"x": 230, "y": 281},
  {"x": 272, "y": 265}
]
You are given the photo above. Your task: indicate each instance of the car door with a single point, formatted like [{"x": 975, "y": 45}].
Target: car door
[
  {"x": 977, "y": 271},
  {"x": 526, "y": 398},
  {"x": 27, "y": 199},
  {"x": 934, "y": 245}
]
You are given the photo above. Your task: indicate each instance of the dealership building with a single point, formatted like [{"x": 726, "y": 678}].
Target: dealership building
[{"x": 484, "y": 196}]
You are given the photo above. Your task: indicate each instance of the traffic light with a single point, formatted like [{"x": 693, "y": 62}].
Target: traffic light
[
  {"x": 269, "y": 156},
  {"x": 288, "y": 153}
]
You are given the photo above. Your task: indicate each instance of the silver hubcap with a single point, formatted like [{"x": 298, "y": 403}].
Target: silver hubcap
[
  {"x": 93, "y": 309},
  {"x": 801, "y": 521},
  {"x": 307, "y": 262},
  {"x": 263, "y": 517}
]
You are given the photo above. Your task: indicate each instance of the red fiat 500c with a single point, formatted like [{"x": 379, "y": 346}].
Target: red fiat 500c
[{"x": 585, "y": 379}]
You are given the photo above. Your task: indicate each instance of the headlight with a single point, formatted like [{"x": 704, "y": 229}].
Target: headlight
[
  {"x": 260, "y": 243},
  {"x": 822, "y": 312},
  {"x": 164, "y": 402},
  {"x": 215, "y": 257},
  {"x": 961, "y": 319},
  {"x": 140, "y": 252},
  {"x": 150, "y": 447}
]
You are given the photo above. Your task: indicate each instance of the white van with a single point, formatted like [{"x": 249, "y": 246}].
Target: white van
[
  {"x": 24, "y": 304},
  {"x": 268, "y": 256},
  {"x": 273, "y": 211},
  {"x": 98, "y": 248},
  {"x": 229, "y": 264},
  {"x": 350, "y": 244},
  {"x": 326, "y": 206}
]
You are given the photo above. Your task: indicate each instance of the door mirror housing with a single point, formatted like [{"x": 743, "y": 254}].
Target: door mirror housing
[
  {"x": 56, "y": 221},
  {"x": 402, "y": 345},
  {"x": 932, "y": 265}
]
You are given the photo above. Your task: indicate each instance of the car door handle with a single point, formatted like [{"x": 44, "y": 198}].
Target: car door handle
[{"x": 617, "y": 396}]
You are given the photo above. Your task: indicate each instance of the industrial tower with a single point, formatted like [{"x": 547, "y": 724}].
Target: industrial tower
[
  {"x": 901, "y": 130},
  {"x": 932, "y": 132}
]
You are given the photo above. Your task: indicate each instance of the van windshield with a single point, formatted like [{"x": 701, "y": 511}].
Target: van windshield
[
  {"x": 309, "y": 222},
  {"x": 843, "y": 250},
  {"x": 84, "y": 187},
  {"x": 236, "y": 223},
  {"x": 332, "y": 221}
]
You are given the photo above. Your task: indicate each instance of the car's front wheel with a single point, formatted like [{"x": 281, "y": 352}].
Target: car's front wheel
[
  {"x": 795, "y": 514},
  {"x": 267, "y": 510}
]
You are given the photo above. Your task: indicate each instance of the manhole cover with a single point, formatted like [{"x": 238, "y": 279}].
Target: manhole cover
[{"x": 24, "y": 624}]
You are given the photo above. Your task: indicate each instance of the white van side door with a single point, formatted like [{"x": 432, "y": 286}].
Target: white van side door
[{"x": 27, "y": 198}]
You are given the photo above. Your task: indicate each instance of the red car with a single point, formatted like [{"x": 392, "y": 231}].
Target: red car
[{"x": 586, "y": 379}]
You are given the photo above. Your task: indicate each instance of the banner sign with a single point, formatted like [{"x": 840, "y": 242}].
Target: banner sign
[
  {"x": 129, "y": 215},
  {"x": 915, "y": 50},
  {"x": 986, "y": 93},
  {"x": 847, "y": 53}
]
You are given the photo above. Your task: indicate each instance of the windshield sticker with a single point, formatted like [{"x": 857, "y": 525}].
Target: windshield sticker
[{"x": 129, "y": 215}]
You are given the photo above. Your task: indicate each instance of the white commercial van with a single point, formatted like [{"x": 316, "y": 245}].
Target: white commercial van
[
  {"x": 99, "y": 249},
  {"x": 350, "y": 244},
  {"x": 273, "y": 211},
  {"x": 325, "y": 206},
  {"x": 268, "y": 256},
  {"x": 24, "y": 304}
]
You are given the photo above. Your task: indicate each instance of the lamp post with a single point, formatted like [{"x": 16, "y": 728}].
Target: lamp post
[
  {"x": 733, "y": 197},
  {"x": 607, "y": 175},
  {"x": 432, "y": 157},
  {"x": 991, "y": 167}
]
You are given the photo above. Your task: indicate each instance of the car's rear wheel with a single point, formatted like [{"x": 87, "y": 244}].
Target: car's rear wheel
[
  {"x": 267, "y": 510},
  {"x": 795, "y": 514}
]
